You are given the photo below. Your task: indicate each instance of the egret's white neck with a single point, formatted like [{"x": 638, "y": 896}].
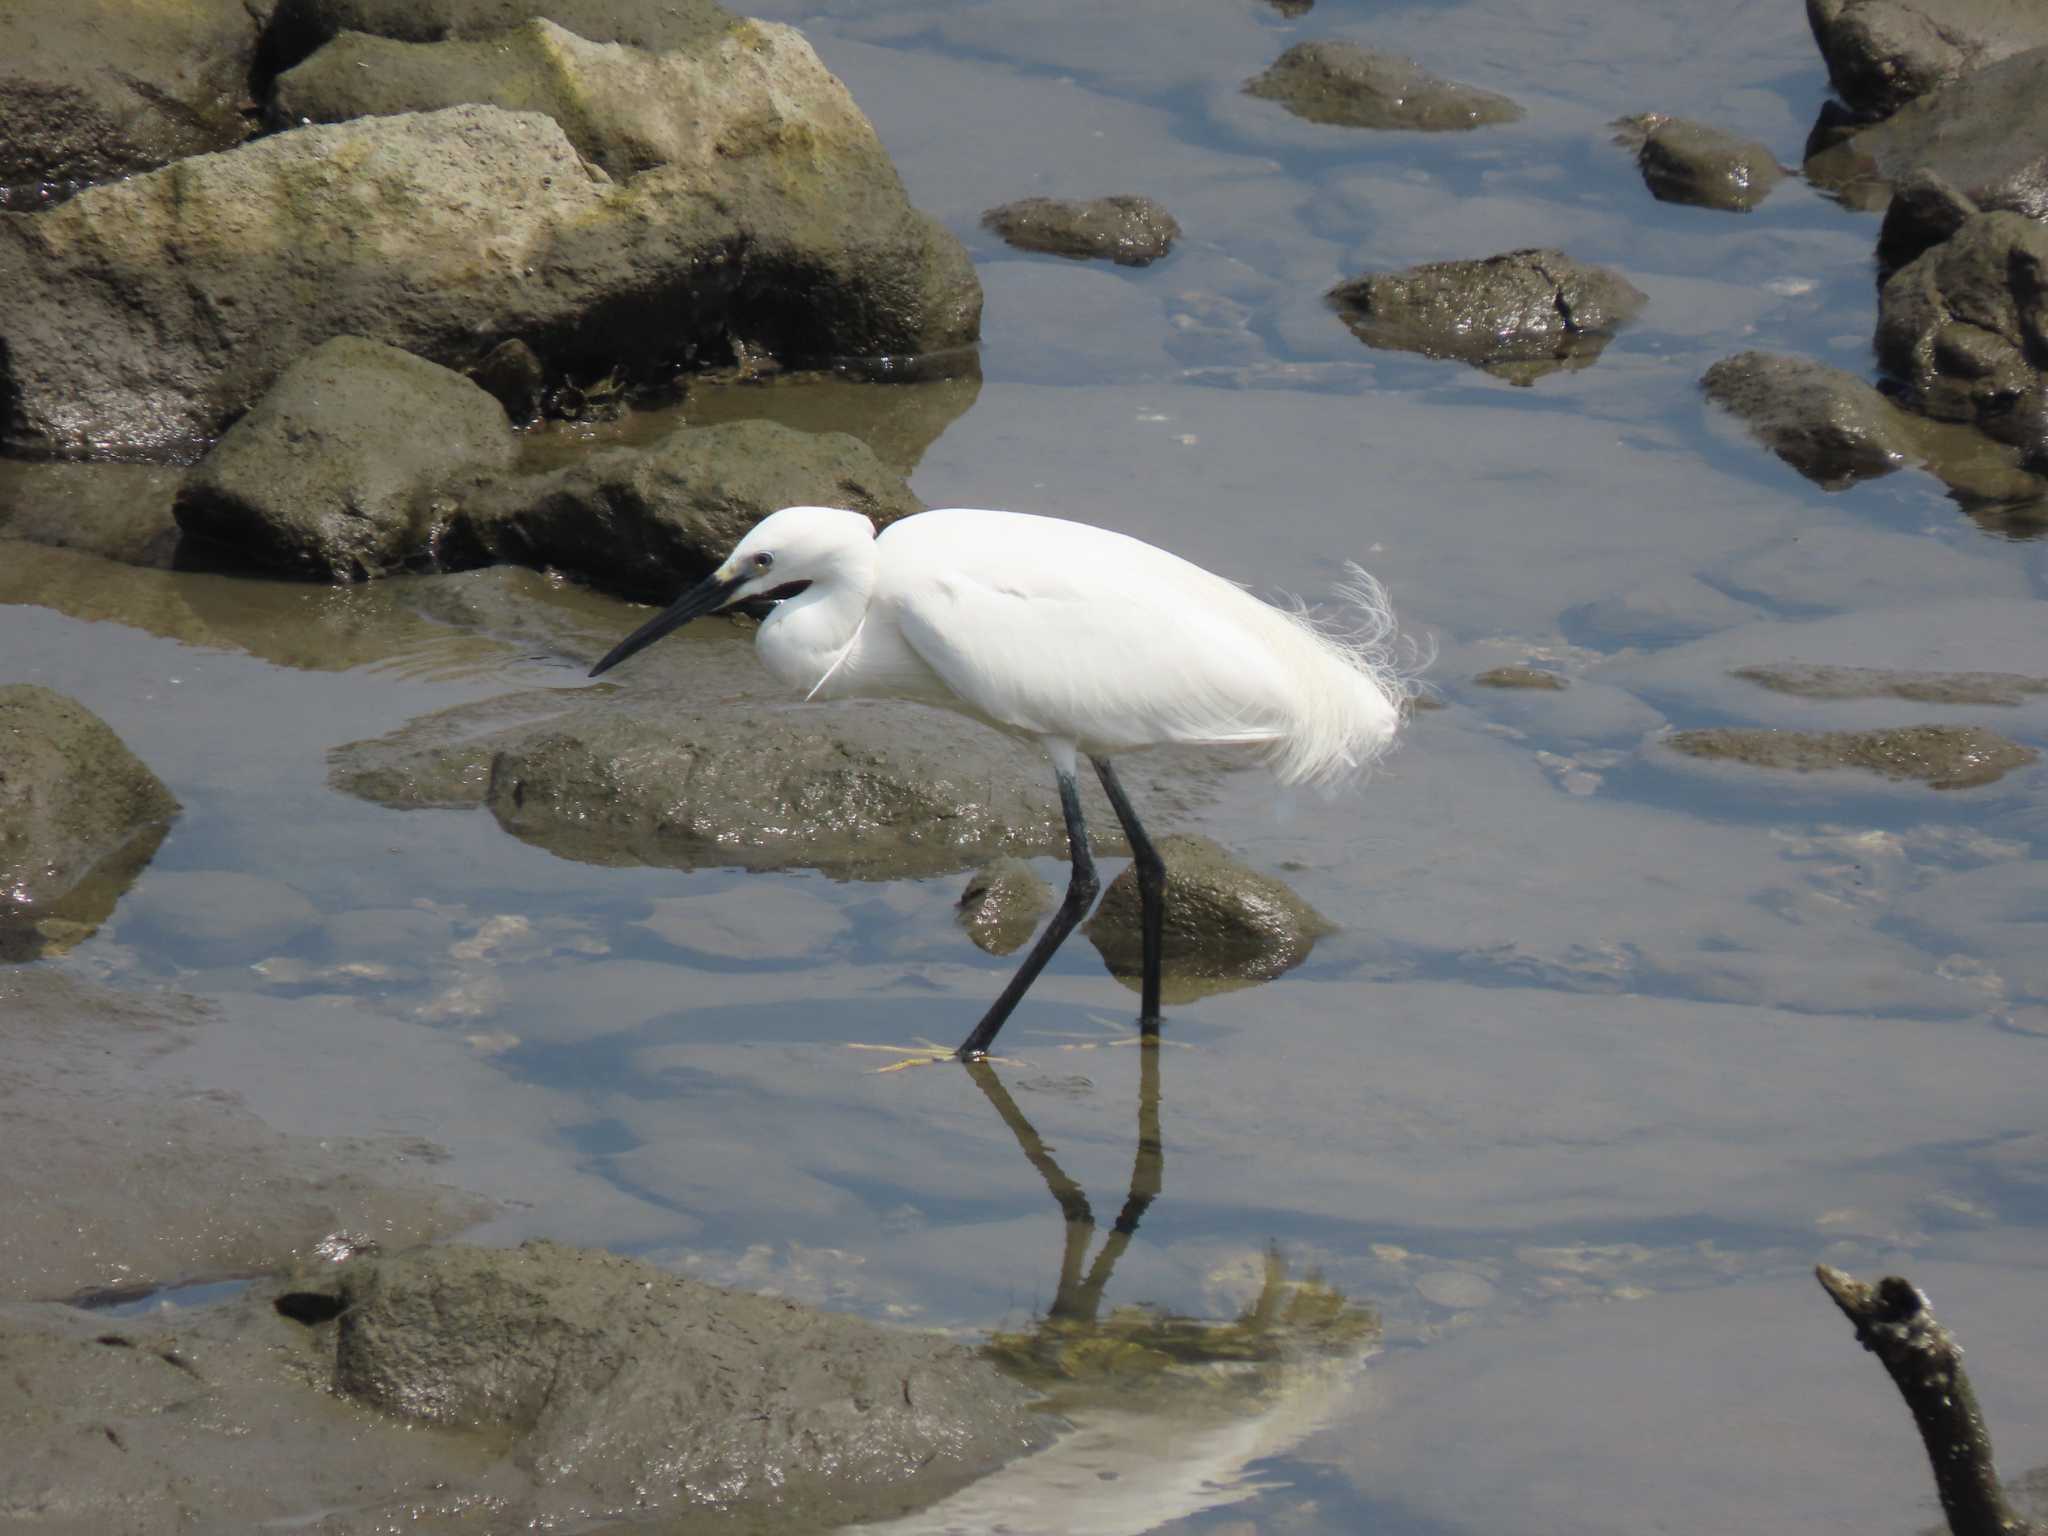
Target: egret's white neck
[{"x": 807, "y": 635}]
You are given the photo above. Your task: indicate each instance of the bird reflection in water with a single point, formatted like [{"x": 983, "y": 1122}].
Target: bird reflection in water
[
  {"x": 1073, "y": 1346},
  {"x": 1167, "y": 1414}
]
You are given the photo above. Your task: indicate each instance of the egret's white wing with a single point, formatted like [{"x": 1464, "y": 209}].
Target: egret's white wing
[{"x": 1060, "y": 629}]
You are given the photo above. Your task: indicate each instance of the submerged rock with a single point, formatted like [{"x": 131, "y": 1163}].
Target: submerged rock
[
  {"x": 1520, "y": 315},
  {"x": 1130, "y": 231},
  {"x": 95, "y": 89},
  {"x": 1882, "y": 54},
  {"x": 1810, "y": 681},
  {"x": 1942, "y": 756},
  {"x": 80, "y": 815},
  {"x": 321, "y": 478},
  {"x": 1688, "y": 162},
  {"x": 1224, "y": 923},
  {"x": 1521, "y": 677},
  {"x": 1341, "y": 83},
  {"x": 1002, "y": 904},
  {"x": 629, "y": 1388}
]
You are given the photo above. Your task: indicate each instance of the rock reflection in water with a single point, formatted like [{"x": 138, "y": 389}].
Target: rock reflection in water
[{"x": 1168, "y": 1414}]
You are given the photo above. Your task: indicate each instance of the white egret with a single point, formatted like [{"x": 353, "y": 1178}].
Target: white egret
[{"x": 1090, "y": 641}]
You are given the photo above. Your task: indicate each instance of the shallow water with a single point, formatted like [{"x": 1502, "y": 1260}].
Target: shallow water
[{"x": 1609, "y": 1050}]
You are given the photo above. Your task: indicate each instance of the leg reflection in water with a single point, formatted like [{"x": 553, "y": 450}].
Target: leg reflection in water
[{"x": 1079, "y": 1298}]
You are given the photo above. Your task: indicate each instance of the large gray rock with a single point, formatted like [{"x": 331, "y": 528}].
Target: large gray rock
[
  {"x": 629, "y": 1388},
  {"x": 80, "y": 815},
  {"x": 1341, "y": 83},
  {"x": 1224, "y": 923},
  {"x": 1964, "y": 327},
  {"x": 141, "y": 315},
  {"x": 1519, "y": 315},
  {"x": 684, "y": 765},
  {"x": 1130, "y": 231},
  {"x": 94, "y": 89},
  {"x": 1882, "y": 54},
  {"x": 323, "y": 477},
  {"x": 648, "y": 521},
  {"x": 1987, "y": 136}
]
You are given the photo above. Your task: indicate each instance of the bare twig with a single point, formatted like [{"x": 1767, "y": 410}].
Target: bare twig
[{"x": 1894, "y": 1323}]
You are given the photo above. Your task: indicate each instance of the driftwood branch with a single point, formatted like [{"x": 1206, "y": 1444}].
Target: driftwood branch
[{"x": 1894, "y": 1323}]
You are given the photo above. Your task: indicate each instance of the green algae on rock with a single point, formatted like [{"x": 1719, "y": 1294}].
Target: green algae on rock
[
  {"x": 1809, "y": 681},
  {"x": 1941, "y": 756}
]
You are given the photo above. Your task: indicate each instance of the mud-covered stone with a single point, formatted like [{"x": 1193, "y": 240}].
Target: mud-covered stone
[
  {"x": 1521, "y": 314},
  {"x": 94, "y": 89},
  {"x": 1328, "y": 81},
  {"x": 1223, "y": 922},
  {"x": 1002, "y": 904},
  {"x": 1941, "y": 756},
  {"x": 646, "y": 1390},
  {"x": 1882, "y": 54},
  {"x": 648, "y": 521},
  {"x": 1964, "y": 327},
  {"x": 1130, "y": 231},
  {"x": 1689, "y": 162},
  {"x": 116, "y": 511},
  {"x": 321, "y": 478},
  {"x": 80, "y": 815},
  {"x": 1986, "y": 135},
  {"x": 1831, "y": 426}
]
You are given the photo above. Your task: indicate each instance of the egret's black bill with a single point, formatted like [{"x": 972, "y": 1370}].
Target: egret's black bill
[{"x": 708, "y": 596}]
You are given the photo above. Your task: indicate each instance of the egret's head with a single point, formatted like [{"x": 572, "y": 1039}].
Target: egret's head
[{"x": 782, "y": 554}]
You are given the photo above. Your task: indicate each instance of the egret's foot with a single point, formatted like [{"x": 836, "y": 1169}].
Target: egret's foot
[{"x": 926, "y": 1053}]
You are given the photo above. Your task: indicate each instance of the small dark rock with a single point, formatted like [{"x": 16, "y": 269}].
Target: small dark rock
[
  {"x": 80, "y": 815},
  {"x": 512, "y": 374},
  {"x": 1223, "y": 922},
  {"x": 1882, "y": 54},
  {"x": 1292, "y": 8},
  {"x": 1522, "y": 314},
  {"x": 1353, "y": 87},
  {"x": 319, "y": 479},
  {"x": 1130, "y": 231},
  {"x": 1688, "y": 162},
  {"x": 1943, "y": 756},
  {"x": 1521, "y": 677},
  {"x": 1002, "y": 904}
]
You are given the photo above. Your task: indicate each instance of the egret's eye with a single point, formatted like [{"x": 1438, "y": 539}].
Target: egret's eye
[{"x": 763, "y": 560}]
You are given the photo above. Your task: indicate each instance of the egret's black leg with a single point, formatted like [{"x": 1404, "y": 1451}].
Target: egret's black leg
[
  {"x": 1082, "y": 889},
  {"x": 1151, "y": 893}
]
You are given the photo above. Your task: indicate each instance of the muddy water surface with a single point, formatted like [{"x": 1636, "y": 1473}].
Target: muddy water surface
[{"x": 1611, "y": 1047}]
